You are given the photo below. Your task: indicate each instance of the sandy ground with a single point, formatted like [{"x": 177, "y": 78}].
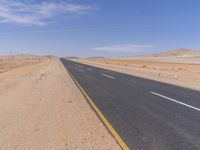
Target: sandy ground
[
  {"x": 42, "y": 109},
  {"x": 178, "y": 73},
  {"x": 192, "y": 60}
]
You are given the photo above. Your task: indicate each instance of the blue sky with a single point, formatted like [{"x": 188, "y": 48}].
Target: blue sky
[{"x": 98, "y": 27}]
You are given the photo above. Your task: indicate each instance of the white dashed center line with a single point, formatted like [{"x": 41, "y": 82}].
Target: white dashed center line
[
  {"x": 103, "y": 74},
  {"x": 89, "y": 69},
  {"x": 173, "y": 100}
]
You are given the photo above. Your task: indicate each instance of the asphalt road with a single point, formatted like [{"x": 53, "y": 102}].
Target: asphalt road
[{"x": 148, "y": 115}]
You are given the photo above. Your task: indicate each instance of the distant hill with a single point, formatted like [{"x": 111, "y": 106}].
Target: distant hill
[
  {"x": 95, "y": 57},
  {"x": 182, "y": 52},
  {"x": 72, "y": 57}
]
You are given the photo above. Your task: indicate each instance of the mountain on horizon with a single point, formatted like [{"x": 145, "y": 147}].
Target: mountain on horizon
[{"x": 180, "y": 52}]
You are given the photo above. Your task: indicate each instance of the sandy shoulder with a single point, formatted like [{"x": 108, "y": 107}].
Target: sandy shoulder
[{"x": 42, "y": 109}]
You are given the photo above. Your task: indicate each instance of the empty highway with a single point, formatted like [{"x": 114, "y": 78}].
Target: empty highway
[{"x": 147, "y": 115}]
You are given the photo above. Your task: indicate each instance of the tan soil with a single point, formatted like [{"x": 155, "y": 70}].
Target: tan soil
[
  {"x": 181, "y": 74},
  {"x": 42, "y": 109}
]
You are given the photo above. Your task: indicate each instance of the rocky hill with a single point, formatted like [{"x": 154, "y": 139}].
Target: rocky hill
[{"x": 182, "y": 52}]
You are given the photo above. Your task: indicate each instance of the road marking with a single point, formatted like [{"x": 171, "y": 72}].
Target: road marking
[
  {"x": 173, "y": 100},
  {"x": 114, "y": 133},
  {"x": 89, "y": 69},
  {"x": 103, "y": 74}
]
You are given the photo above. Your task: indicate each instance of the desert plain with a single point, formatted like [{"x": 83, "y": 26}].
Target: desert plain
[
  {"x": 179, "y": 67},
  {"x": 42, "y": 109}
]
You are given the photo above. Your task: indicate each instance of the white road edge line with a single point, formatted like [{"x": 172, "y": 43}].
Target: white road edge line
[
  {"x": 103, "y": 74},
  {"x": 80, "y": 66},
  {"x": 173, "y": 100}
]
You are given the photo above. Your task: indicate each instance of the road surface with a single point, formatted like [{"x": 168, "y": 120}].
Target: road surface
[{"x": 148, "y": 115}]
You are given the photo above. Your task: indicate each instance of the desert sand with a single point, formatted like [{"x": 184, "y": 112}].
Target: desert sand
[
  {"x": 42, "y": 109},
  {"x": 182, "y": 71}
]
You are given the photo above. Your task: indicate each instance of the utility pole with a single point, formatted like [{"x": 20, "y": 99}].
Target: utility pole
[{"x": 10, "y": 55}]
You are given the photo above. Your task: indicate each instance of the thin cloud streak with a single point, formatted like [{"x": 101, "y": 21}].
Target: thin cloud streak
[
  {"x": 29, "y": 13},
  {"x": 63, "y": 30},
  {"x": 123, "y": 48}
]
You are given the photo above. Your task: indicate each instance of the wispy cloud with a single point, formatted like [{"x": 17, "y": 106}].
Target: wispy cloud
[
  {"x": 123, "y": 48},
  {"x": 31, "y": 13}
]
